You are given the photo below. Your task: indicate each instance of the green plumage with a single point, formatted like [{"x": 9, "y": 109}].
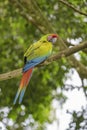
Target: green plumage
[{"x": 39, "y": 49}]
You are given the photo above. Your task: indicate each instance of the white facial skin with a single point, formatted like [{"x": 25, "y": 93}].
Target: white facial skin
[{"x": 54, "y": 39}]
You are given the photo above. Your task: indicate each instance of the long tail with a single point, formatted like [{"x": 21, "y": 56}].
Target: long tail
[{"x": 23, "y": 85}]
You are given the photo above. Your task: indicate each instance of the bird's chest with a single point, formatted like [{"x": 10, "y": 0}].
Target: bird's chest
[{"x": 45, "y": 48}]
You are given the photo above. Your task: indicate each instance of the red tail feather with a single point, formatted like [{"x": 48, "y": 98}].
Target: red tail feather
[
  {"x": 23, "y": 84},
  {"x": 26, "y": 78}
]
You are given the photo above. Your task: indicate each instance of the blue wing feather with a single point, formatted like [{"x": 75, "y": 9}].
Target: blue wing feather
[
  {"x": 16, "y": 97},
  {"x": 33, "y": 62},
  {"x": 21, "y": 95}
]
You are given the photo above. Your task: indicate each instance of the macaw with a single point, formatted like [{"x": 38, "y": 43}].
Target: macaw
[{"x": 35, "y": 54}]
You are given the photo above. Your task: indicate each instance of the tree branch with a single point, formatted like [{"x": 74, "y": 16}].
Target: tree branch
[
  {"x": 64, "y": 53},
  {"x": 69, "y": 51},
  {"x": 11, "y": 74},
  {"x": 72, "y": 7}
]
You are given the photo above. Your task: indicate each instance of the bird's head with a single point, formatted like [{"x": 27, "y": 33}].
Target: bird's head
[{"x": 50, "y": 38}]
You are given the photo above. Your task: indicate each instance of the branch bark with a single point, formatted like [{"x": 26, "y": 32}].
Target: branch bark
[
  {"x": 64, "y": 53},
  {"x": 72, "y": 7}
]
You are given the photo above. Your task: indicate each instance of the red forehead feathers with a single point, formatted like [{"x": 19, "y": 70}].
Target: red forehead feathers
[{"x": 54, "y": 35}]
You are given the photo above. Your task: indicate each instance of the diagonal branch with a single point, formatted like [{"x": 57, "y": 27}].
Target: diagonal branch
[
  {"x": 72, "y": 7},
  {"x": 69, "y": 51},
  {"x": 64, "y": 53}
]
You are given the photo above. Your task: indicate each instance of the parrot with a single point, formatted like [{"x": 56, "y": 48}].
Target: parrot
[{"x": 37, "y": 53}]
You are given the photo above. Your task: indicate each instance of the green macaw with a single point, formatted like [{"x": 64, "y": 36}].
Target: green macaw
[{"x": 35, "y": 54}]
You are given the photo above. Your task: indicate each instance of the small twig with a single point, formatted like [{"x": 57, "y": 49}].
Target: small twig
[
  {"x": 84, "y": 88},
  {"x": 71, "y": 87},
  {"x": 72, "y": 7}
]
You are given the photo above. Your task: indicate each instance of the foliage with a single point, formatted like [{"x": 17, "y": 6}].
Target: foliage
[
  {"x": 16, "y": 35},
  {"x": 79, "y": 120}
]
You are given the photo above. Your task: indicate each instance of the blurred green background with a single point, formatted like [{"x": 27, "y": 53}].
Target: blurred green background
[{"x": 16, "y": 34}]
